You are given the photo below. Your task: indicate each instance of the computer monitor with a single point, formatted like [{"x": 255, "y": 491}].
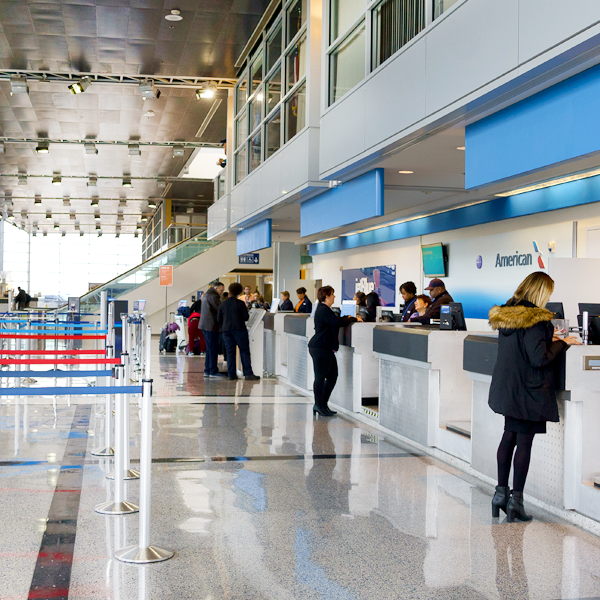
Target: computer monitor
[
  {"x": 336, "y": 310},
  {"x": 556, "y": 308},
  {"x": 363, "y": 313},
  {"x": 453, "y": 317},
  {"x": 387, "y": 316},
  {"x": 182, "y": 303},
  {"x": 348, "y": 308},
  {"x": 591, "y": 309}
]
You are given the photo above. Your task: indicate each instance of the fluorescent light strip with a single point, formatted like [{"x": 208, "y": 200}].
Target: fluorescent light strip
[{"x": 551, "y": 183}]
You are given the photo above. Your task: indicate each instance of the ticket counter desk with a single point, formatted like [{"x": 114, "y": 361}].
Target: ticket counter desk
[
  {"x": 275, "y": 343},
  {"x": 564, "y": 461},
  {"x": 424, "y": 394}
]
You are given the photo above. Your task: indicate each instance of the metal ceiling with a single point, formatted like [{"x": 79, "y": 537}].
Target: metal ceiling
[{"x": 118, "y": 42}]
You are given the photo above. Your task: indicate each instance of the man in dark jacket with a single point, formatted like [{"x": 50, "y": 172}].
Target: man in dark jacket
[
  {"x": 21, "y": 299},
  {"x": 231, "y": 318},
  {"x": 439, "y": 298},
  {"x": 211, "y": 301}
]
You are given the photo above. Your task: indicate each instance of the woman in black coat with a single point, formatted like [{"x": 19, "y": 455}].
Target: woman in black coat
[
  {"x": 523, "y": 388},
  {"x": 323, "y": 346}
]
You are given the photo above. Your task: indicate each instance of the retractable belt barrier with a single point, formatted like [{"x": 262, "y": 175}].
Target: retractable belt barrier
[
  {"x": 56, "y": 373},
  {"x": 49, "y": 333},
  {"x": 53, "y": 352},
  {"x": 60, "y": 361},
  {"x": 53, "y": 337},
  {"x": 70, "y": 391}
]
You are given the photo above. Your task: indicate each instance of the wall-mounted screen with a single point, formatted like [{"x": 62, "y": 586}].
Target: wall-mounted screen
[
  {"x": 434, "y": 261},
  {"x": 370, "y": 279}
]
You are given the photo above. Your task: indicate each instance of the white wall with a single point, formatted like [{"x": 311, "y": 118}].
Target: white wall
[{"x": 475, "y": 48}]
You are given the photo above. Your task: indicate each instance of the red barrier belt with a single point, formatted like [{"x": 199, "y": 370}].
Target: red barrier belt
[
  {"x": 69, "y": 352},
  {"x": 52, "y": 337},
  {"x": 60, "y": 361}
]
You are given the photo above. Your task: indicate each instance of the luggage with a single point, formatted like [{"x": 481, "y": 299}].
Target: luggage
[{"x": 171, "y": 344}]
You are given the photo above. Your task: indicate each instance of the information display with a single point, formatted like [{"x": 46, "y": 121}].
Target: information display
[
  {"x": 434, "y": 264},
  {"x": 381, "y": 280}
]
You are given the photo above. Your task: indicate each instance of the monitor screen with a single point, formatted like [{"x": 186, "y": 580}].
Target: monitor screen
[
  {"x": 556, "y": 308},
  {"x": 434, "y": 264},
  {"x": 592, "y": 309},
  {"x": 141, "y": 305},
  {"x": 348, "y": 308},
  {"x": 182, "y": 303}
]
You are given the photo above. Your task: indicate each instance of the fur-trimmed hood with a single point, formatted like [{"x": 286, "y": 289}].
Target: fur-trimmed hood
[{"x": 518, "y": 317}]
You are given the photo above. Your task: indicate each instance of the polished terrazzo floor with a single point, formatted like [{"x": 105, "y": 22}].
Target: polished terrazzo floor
[{"x": 261, "y": 501}]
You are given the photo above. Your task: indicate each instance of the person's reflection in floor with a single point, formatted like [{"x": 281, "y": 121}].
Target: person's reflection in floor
[{"x": 511, "y": 576}]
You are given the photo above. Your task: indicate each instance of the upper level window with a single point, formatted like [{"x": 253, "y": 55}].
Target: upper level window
[
  {"x": 241, "y": 95},
  {"x": 296, "y": 17},
  {"x": 295, "y": 63},
  {"x": 347, "y": 64},
  {"x": 274, "y": 47},
  {"x": 256, "y": 74},
  {"x": 441, "y": 6},
  {"x": 342, "y": 14}
]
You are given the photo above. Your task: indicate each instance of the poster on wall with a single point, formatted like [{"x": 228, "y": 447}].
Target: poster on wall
[{"x": 381, "y": 280}]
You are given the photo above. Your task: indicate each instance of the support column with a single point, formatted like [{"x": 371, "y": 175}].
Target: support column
[{"x": 286, "y": 265}]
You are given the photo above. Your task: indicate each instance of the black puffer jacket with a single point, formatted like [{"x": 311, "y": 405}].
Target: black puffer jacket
[{"x": 523, "y": 380}]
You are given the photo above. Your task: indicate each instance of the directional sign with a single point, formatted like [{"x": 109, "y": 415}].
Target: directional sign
[
  {"x": 249, "y": 259},
  {"x": 166, "y": 275}
]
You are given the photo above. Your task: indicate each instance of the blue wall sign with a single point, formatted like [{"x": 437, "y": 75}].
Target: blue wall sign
[
  {"x": 381, "y": 280},
  {"x": 253, "y": 238},
  {"x": 249, "y": 259}
]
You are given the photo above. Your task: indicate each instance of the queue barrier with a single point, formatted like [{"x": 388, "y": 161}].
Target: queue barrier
[
  {"x": 70, "y": 391},
  {"x": 52, "y": 352},
  {"x": 52, "y": 338},
  {"x": 60, "y": 361},
  {"x": 49, "y": 332},
  {"x": 56, "y": 373}
]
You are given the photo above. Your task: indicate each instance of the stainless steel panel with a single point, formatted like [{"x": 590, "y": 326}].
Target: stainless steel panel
[
  {"x": 343, "y": 392},
  {"x": 298, "y": 360}
]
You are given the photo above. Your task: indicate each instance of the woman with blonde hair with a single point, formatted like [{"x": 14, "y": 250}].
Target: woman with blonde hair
[{"x": 523, "y": 388}]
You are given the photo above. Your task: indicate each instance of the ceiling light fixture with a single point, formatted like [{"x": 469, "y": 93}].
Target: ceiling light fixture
[
  {"x": 174, "y": 15},
  {"x": 97, "y": 226},
  {"x": 460, "y": 148},
  {"x": 22, "y": 179},
  {"x": 122, "y": 202},
  {"x": 73, "y": 216},
  {"x": 119, "y": 216},
  {"x": 43, "y": 148},
  {"x": 97, "y": 216},
  {"x": 207, "y": 90},
  {"x": 1, "y": 147},
  {"x": 178, "y": 150},
  {"x": 66, "y": 201},
  {"x": 151, "y": 203},
  {"x": 81, "y": 234},
  {"x": 80, "y": 86},
  {"x": 49, "y": 215},
  {"x": 92, "y": 181},
  {"x": 45, "y": 234},
  {"x": 90, "y": 148},
  {"x": 57, "y": 180},
  {"x": 406, "y": 172},
  {"x": 150, "y": 113},
  {"x": 95, "y": 201},
  {"x": 63, "y": 234},
  {"x": 144, "y": 218},
  {"x": 135, "y": 234},
  {"x": 99, "y": 234},
  {"x": 127, "y": 182},
  {"x": 134, "y": 150},
  {"x": 23, "y": 214},
  {"x": 18, "y": 84},
  {"x": 37, "y": 199},
  {"x": 138, "y": 227},
  {"x": 551, "y": 183},
  {"x": 56, "y": 226},
  {"x": 148, "y": 90},
  {"x": 118, "y": 234},
  {"x": 161, "y": 183}
]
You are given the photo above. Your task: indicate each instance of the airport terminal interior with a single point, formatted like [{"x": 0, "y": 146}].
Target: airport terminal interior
[{"x": 299, "y": 299}]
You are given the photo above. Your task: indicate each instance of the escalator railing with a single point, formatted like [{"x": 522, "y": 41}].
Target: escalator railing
[{"x": 147, "y": 271}]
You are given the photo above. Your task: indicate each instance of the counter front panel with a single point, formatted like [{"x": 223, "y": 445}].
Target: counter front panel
[
  {"x": 411, "y": 343},
  {"x": 480, "y": 353},
  {"x": 296, "y": 324}
]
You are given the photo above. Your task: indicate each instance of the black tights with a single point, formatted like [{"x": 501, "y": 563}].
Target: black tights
[{"x": 523, "y": 442}]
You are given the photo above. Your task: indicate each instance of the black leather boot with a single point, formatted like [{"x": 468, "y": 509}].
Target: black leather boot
[
  {"x": 515, "y": 508},
  {"x": 500, "y": 500}
]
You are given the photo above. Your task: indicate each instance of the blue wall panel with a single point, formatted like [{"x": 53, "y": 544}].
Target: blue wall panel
[
  {"x": 555, "y": 125},
  {"x": 574, "y": 193},
  {"x": 254, "y": 238},
  {"x": 357, "y": 199}
]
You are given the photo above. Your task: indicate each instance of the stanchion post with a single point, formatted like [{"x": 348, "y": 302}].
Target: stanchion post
[
  {"x": 108, "y": 450},
  {"x": 144, "y": 552},
  {"x": 120, "y": 506}
]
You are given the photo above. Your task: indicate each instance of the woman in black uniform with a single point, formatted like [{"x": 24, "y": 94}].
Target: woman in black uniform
[
  {"x": 323, "y": 346},
  {"x": 523, "y": 388}
]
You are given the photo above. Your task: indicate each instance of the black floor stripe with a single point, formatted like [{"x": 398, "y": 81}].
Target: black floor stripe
[{"x": 52, "y": 574}]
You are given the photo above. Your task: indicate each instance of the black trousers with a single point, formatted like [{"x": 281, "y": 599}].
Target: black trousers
[
  {"x": 326, "y": 374},
  {"x": 211, "y": 359},
  {"x": 240, "y": 339}
]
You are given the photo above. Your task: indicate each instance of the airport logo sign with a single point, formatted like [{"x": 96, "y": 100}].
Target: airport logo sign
[
  {"x": 518, "y": 260},
  {"x": 479, "y": 262}
]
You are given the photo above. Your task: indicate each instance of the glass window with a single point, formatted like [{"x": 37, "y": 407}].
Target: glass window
[
  {"x": 342, "y": 14},
  {"x": 241, "y": 127},
  {"x": 395, "y": 22},
  {"x": 255, "y": 152},
  {"x": 296, "y": 17},
  {"x": 296, "y": 63},
  {"x": 240, "y": 164},
  {"x": 274, "y": 47},
  {"x": 441, "y": 6},
  {"x": 273, "y": 91},
  {"x": 256, "y": 109},
  {"x": 241, "y": 95},
  {"x": 347, "y": 65},
  {"x": 273, "y": 133},
  {"x": 295, "y": 113},
  {"x": 256, "y": 74}
]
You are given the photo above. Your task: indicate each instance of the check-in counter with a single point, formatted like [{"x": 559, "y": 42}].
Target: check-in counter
[
  {"x": 424, "y": 394},
  {"x": 565, "y": 460},
  {"x": 299, "y": 365},
  {"x": 275, "y": 349}
]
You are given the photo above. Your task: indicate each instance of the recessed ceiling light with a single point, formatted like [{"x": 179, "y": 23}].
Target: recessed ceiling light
[
  {"x": 38, "y": 199},
  {"x": 175, "y": 15},
  {"x": 95, "y": 201},
  {"x": 56, "y": 226},
  {"x": 57, "y": 180},
  {"x": 49, "y": 215},
  {"x": 460, "y": 147},
  {"x": 150, "y": 113},
  {"x": 406, "y": 172},
  {"x": 127, "y": 182},
  {"x": 43, "y": 148}
]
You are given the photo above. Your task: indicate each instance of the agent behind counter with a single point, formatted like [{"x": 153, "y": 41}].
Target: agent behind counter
[{"x": 439, "y": 297}]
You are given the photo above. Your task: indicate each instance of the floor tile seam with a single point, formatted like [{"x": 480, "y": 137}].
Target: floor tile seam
[
  {"x": 64, "y": 508},
  {"x": 571, "y": 517}
]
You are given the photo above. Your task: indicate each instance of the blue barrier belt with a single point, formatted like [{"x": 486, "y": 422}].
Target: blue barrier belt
[
  {"x": 71, "y": 391},
  {"x": 52, "y": 331}
]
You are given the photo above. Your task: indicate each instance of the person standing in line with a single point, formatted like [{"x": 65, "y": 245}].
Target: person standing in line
[
  {"x": 322, "y": 348},
  {"x": 211, "y": 301},
  {"x": 286, "y": 303},
  {"x": 408, "y": 291},
  {"x": 21, "y": 299},
  {"x": 304, "y": 304},
  {"x": 523, "y": 387},
  {"x": 231, "y": 317}
]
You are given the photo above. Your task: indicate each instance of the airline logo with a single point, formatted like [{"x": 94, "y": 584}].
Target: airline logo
[{"x": 539, "y": 257}]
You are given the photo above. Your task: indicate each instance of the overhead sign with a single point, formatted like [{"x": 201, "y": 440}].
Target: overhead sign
[
  {"x": 249, "y": 259},
  {"x": 165, "y": 274}
]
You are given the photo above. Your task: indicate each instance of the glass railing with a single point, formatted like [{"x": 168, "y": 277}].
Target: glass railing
[{"x": 147, "y": 271}]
